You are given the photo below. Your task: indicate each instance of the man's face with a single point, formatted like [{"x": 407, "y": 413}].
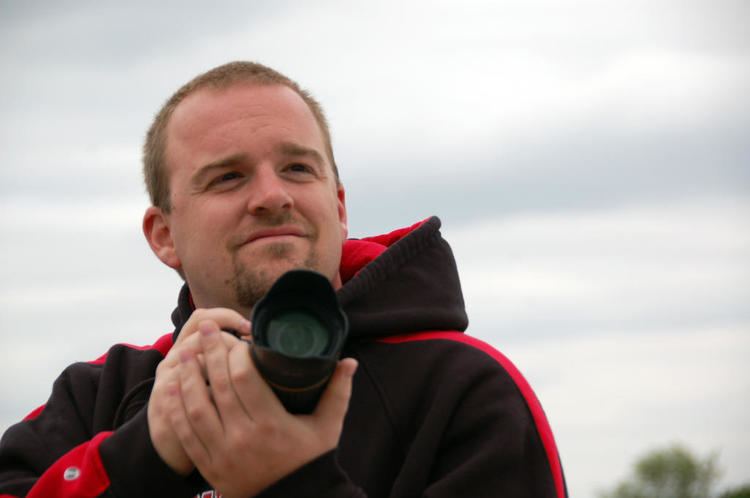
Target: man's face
[{"x": 253, "y": 194}]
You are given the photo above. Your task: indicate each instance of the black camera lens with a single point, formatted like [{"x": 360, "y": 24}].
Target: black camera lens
[{"x": 297, "y": 334}]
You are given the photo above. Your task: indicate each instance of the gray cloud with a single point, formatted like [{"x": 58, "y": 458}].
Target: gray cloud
[{"x": 595, "y": 169}]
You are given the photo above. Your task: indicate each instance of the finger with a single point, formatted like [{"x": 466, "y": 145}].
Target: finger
[
  {"x": 226, "y": 319},
  {"x": 256, "y": 397},
  {"x": 201, "y": 359},
  {"x": 201, "y": 413},
  {"x": 193, "y": 345},
  {"x": 191, "y": 444},
  {"x": 334, "y": 402},
  {"x": 215, "y": 354}
]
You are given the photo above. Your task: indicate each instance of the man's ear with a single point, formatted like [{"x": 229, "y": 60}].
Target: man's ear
[
  {"x": 343, "y": 220},
  {"x": 159, "y": 237}
]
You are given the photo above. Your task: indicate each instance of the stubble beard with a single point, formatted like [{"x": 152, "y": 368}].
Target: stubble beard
[{"x": 250, "y": 284}]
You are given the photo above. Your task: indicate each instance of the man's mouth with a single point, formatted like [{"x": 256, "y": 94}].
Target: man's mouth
[{"x": 275, "y": 232}]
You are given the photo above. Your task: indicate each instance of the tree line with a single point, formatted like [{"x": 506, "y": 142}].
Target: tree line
[{"x": 674, "y": 472}]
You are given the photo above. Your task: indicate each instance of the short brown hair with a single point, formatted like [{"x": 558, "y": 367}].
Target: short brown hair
[{"x": 154, "y": 149}]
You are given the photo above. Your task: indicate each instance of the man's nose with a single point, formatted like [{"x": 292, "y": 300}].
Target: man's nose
[{"x": 269, "y": 193}]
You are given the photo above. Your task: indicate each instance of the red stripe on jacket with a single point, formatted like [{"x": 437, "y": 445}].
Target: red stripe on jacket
[
  {"x": 537, "y": 412},
  {"x": 79, "y": 472},
  {"x": 162, "y": 345}
]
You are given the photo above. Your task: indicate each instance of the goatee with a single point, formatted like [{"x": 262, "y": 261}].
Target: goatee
[{"x": 250, "y": 284}]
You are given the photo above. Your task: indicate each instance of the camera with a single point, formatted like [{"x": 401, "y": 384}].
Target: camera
[{"x": 299, "y": 330}]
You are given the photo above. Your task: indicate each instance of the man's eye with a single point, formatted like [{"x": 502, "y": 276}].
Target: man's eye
[
  {"x": 299, "y": 168},
  {"x": 226, "y": 177}
]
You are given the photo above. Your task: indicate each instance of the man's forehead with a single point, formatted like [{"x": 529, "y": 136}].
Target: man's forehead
[
  {"x": 211, "y": 107},
  {"x": 208, "y": 108},
  {"x": 249, "y": 96}
]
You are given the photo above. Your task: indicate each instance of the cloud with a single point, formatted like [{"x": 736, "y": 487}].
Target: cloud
[
  {"x": 614, "y": 397},
  {"x": 663, "y": 267},
  {"x": 514, "y": 111}
]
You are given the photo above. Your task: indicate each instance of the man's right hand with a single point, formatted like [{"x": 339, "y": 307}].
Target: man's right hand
[{"x": 163, "y": 437}]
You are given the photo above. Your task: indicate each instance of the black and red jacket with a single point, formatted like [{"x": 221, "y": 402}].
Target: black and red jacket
[{"x": 434, "y": 412}]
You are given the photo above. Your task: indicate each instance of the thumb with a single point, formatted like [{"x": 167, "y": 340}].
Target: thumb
[{"x": 334, "y": 402}]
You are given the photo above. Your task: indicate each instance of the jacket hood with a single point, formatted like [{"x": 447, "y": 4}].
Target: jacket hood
[{"x": 399, "y": 282}]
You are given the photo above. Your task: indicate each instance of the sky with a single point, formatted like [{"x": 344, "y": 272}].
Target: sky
[{"x": 589, "y": 161}]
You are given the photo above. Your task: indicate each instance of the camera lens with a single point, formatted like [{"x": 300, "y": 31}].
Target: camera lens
[
  {"x": 299, "y": 330},
  {"x": 298, "y": 334}
]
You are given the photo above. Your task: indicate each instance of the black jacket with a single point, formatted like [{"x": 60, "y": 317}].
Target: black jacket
[{"x": 433, "y": 413}]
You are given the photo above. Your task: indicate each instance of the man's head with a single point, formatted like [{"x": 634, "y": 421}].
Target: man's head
[
  {"x": 224, "y": 76},
  {"x": 251, "y": 189}
]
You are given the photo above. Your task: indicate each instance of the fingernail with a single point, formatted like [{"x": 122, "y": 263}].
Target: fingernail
[
  {"x": 352, "y": 367},
  {"x": 185, "y": 356},
  {"x": 206, "y": 328}
]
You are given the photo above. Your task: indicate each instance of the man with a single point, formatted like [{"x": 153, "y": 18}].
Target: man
[{"x": 244, "y": 187}]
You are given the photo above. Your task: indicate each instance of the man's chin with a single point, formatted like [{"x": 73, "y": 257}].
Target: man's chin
[
  {"x": 274, "y": 271},
  {"x": 253, "y": 280}
]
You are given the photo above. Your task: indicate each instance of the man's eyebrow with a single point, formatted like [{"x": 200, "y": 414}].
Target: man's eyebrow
[
  {"x": 225, "y": 162},
  {"x": 293, "y": 149}
]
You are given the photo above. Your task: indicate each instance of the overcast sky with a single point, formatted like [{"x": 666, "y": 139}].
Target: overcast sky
[{"x": 589, "y": 160}]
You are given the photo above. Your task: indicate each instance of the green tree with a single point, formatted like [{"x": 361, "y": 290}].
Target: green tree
[
  {"x": 673, "y": 472},
  {"x": 741, "y": 492}
]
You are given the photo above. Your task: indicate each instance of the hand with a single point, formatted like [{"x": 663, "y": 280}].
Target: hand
[
  {"x": 163, "y": 436},
  {"x": 245, "y": 440}
]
